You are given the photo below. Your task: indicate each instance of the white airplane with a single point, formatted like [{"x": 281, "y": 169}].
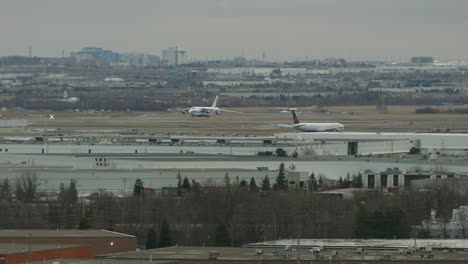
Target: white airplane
[
  {"x": 68, "y": 99},
  {"x": 286, "y": 110},
  {"x": 205, "y": 111},
  {"x": 314, "y": 127}
]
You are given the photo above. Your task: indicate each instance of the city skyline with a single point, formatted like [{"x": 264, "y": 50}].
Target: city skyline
[{"x": 209, "y": 29}]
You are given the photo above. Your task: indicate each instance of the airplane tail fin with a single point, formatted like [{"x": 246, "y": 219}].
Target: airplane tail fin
[
  {"x": 295, "y": 119},
  {"x": 215, "y": 101}
]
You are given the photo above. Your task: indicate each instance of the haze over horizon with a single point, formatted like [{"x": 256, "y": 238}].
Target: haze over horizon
[{"x": 212, "y": 29}]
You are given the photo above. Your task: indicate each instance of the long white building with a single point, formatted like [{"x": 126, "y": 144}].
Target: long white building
[{"x": 426, "y": 142}]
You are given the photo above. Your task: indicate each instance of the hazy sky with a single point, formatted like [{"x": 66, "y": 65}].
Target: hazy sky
[{"x": 285, "y": 29}]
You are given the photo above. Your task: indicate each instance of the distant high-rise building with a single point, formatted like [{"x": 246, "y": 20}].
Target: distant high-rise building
[
  {"x": 139, "y": 59},
  {"x": 153, "y": 60},
  {"x": 95, "y": 55},
  {"x": 181, "y": 57},
  {"x": 419, "y": 60},
  {"x": 174, "y": 56}
]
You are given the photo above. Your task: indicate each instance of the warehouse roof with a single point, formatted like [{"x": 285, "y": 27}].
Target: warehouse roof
[
  {"x": 13, "y": 248},
  {"x": 59, "y": 233}
]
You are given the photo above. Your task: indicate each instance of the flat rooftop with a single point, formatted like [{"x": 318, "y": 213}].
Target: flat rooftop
[
  {"x": 277, "y": 254},
  {"x": 196, "y": 253},
  {"x": 107, "y": 261},
  {"x": 22, "y": 233},
  {"x": 13, "y": 248},
  {"x": 457, "y": 244}
]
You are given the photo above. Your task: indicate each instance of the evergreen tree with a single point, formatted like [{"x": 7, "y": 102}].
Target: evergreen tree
[
  {"x": 179, "y": 184},
  {"x": 138, "y": 189},
  {"x": 84, "y": 224},
  {"x": 265, "y": 184},
  {"x": 312, "y": 183},
  {"x": 362, "y": 227},
  {"x": 253, "y": 185},
  {"x": 347, "y": 181},
  {"x": 165, "y": 239},
  {"x": 186, "y": 187},
  {"x": 357, "y": 181},
  {"x": 221, "y": 236},
  {"x": 340, "y": 183},
  {"x": 243, "y": 184},
  {"x": 68, "y": 195},
  {"x": 151, "y": 239},
  {"x": 72, "y": 194},
  {"x": 281, "y": 183},
  {"x": 321, "y": 181},
  {"x": 281, "y": 152},
  {"x": 227, "y": 182},
  {"x": 378, "y": 225},
  {"x": 236, "y": 183},
  {"x": 295, "y": 154},
  {"x": 397, "y": 225}
]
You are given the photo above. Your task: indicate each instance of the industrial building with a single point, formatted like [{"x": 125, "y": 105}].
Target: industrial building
[
  {"x": 365, "y": 244},
  {"x": 393, "y": 179},
  {"x": 100, "y": 241},
  {"x": 302, "y": 143},
  {"x": 457, "y": 183},
  {"x": 305, "y": 144},
  {"x": 455, "y": 228},
  {"x": 443, "y": 143},
  {"x": 12, "y": 253},
  {"x": 390, "y": 252}
]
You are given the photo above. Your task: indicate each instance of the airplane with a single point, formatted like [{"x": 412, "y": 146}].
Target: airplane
[
  {"x": 205, "y": 111},
  {"x": 285, "y": 110},
  {"x": 68, "y": 99},
  {"x": 314, "y": 127}
]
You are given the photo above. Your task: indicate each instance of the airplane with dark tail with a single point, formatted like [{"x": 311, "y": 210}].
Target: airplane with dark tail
[{"x": 314, "y": 127}]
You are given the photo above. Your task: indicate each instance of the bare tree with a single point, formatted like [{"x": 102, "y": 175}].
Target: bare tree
[
  {"x": 26, "y": 186},
  {"x": 6, "y": 190}
]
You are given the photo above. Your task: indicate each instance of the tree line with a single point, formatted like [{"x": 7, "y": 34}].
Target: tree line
[{"x": 231, "y": 214}]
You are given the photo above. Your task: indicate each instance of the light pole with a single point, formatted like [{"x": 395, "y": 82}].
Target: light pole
[{"x": 124, "y": 180}]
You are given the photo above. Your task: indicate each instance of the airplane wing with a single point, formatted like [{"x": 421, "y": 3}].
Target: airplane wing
[
  {"x": 287, "y": 108},
  {"x": 283, "y": 126},
  {"x": 182, "y": 110},
  {"x": 229, "y": 111}
]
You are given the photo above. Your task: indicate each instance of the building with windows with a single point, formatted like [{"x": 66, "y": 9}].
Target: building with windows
[
  {"x": 391, "y": 180},
  {"x": 94, "y": 55},
  {"x": 138, "y": 59},
  {"x": 100, "y": 241},
  {"x": 174, "y": 56},
  {"x": 420, "y": 60}
]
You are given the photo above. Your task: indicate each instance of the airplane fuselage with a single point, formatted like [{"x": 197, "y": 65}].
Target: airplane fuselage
[
  {"x": 203, "y": 111},
  {"x": 319, "y": 127}
]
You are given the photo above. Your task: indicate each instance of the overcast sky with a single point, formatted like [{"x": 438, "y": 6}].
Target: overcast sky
[{"x": 285, "y": 29}]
